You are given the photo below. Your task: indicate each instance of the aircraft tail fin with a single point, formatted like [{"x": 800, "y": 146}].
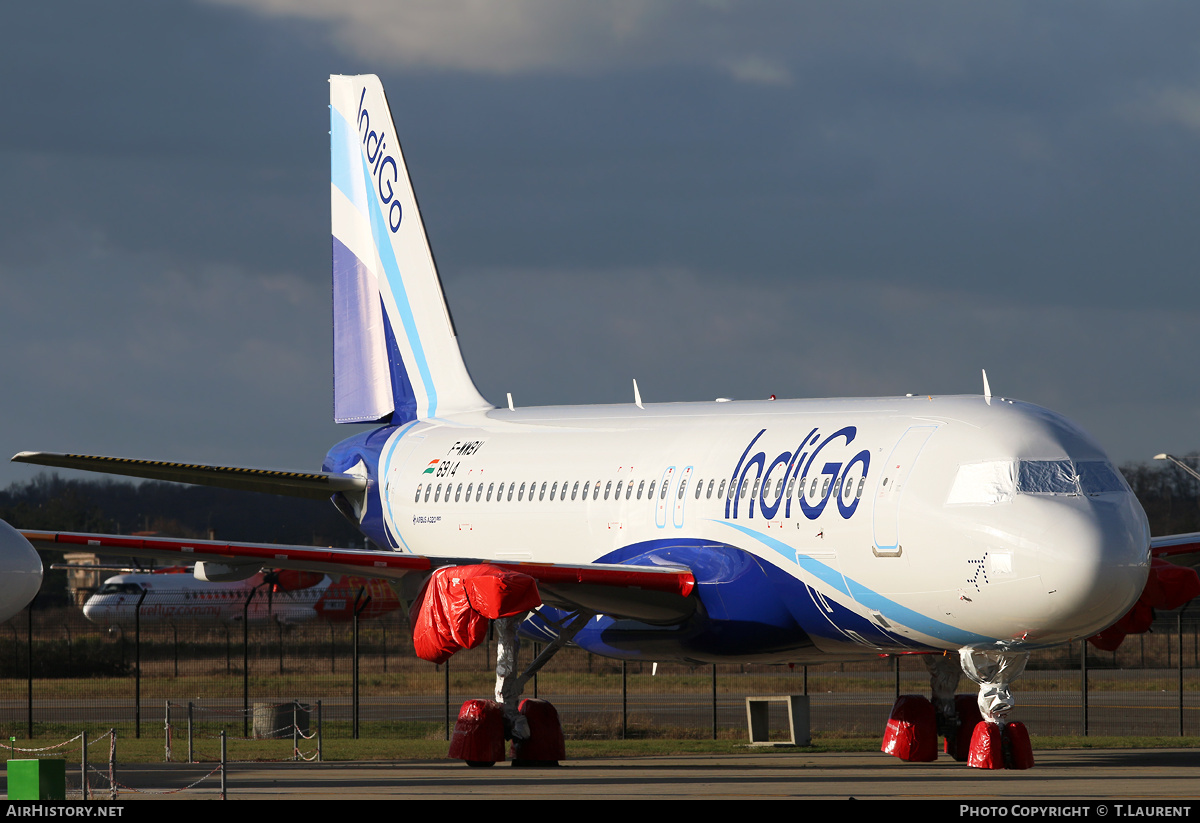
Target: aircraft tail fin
[{"x": 396, "y": 355}]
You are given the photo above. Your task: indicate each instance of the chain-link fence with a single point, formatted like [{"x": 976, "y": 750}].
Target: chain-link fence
[{"x": 60, "y": 673}]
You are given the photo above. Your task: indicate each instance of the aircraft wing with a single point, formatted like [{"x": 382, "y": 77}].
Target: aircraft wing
[
  {"x": 1172, "y": 583},
  {"x": 313, "y": 485},
  {"x": 648, "y": 593},
  {"x": 1183, "y": 549}
]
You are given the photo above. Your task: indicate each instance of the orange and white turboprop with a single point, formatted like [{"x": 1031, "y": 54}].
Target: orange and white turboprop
[{"x": 283, "y": 596}]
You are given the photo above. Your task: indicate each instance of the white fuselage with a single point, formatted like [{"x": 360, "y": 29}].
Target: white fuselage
[
  {"x": 923, "y": 516},
  {"x": 181, "y": 598}
]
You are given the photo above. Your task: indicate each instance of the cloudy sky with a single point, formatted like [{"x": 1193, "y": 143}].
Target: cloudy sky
[{"x": 718, "y": 198}]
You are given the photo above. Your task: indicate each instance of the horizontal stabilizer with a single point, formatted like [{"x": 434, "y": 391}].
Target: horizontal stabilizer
[{"x": 313, "y": 485}]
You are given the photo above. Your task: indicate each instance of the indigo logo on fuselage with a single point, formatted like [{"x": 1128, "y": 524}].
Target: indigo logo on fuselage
[
  {"x": 384, "y": 170},
  {"x": 811, "y": 475}
]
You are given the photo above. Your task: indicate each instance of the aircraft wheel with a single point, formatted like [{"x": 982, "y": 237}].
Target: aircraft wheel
[{"x": 481, "y": 764}]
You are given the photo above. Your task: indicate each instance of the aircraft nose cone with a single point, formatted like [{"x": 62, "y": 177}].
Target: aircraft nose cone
[
  {"x": 20, "y": 571},
  {"x": 1094, "y": 566}
]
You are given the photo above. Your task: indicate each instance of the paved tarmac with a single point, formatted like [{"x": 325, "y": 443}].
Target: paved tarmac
[{"x": 1090, "y": 775}]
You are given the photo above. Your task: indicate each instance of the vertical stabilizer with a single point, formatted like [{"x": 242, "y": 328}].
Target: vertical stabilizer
[{"x": 395, "y": 351}]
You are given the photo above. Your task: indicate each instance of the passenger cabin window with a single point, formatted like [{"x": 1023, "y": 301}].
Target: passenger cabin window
[{"x": 417, "y": 499}]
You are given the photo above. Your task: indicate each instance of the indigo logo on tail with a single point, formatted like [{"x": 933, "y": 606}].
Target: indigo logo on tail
[{"x": 382, "y": 166}]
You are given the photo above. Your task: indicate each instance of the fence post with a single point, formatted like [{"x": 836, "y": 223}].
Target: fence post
[
  {"x": 320, "y": 737},
  {"x": 167, "y": 728},
  {"x": 1083, "y": 684},
  {"x": 714, "y": 700},
  {"x": 137, "y": 666},
  {"x": 624, "y": 699},
  {"x": 446, "y": 695},
  {"x": 296, "y": 729},
  {"x": 191, "y": 749},
  {"x": 112, "y": 764},
  {"x": 224, "y": 795},
  {"x": 29, "y": 667},
  {"x": 83, "y": 786},
  {"x": 1179, "y": 640},
  {"x": 354, "y": 672},
  {"x": 246, "y": 664}
]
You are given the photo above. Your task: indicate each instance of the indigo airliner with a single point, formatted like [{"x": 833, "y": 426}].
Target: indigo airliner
[{"x": 968, "y": 529}]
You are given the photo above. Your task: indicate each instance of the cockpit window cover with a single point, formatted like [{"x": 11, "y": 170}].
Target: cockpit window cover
[{"x": 998, "y": 481}]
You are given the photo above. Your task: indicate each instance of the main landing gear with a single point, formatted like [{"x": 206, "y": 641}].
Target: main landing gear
[
  {"x": 531, "y": 724},
  {"x": 977, "y": 730}
]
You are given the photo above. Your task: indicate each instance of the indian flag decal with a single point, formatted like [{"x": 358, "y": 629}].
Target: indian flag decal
[{"x": 433, "y": 464}]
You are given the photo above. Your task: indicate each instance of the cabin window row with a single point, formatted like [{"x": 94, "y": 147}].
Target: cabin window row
[{"x": 817, "y": 489}]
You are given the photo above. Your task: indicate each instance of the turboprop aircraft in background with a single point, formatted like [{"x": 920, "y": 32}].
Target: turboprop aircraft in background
[
  {"x": 968, "y": 529},
  {"x": 288, "y": 597}
]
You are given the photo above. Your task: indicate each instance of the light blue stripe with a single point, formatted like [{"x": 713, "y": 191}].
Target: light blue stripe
[
  {"x": 890, "y": 609},
  {"x": 340, "y": 152},
  {"x": 391, "y": 269}
]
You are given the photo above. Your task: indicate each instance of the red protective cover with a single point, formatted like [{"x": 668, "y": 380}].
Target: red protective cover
[
  {"x": 455, "y": 604},
  {"x": 1018, "y": 751},
  {"x": 545, "y": 743},
  {"x": 1168, "y": 587},
  {"x": 987, "y": 746},
  {"x": 479, "y": 732},
  {"x": 967, "y": 709},
  {"x": 911, "y": 730}
]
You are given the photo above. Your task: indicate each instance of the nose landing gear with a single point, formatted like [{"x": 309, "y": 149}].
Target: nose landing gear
[{"x": 975, "y": 730}]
